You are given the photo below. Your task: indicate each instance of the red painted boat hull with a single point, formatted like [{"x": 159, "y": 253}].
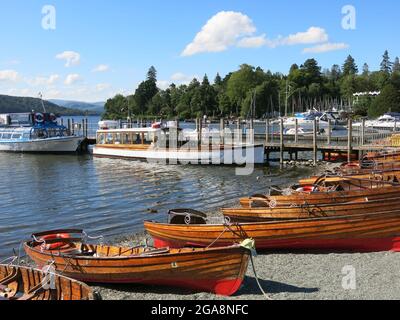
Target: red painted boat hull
[
  {"x": 222, "y": 287},
  {"x": 356, "y": 245}
]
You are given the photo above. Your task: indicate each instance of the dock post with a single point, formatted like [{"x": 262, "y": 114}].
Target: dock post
[
  {"x": 349, "y": 140},
  {"x": 281, "y": 142},
  {"x": 251, "y": 130},
  {"x": 362, "y": 132},
  {"x": 222, "y": 130},
  {"x": 395, "y": 126},
  {"x": 329, "y": 132},
  {"x": 69, "y": 126},
  {"x": 73, "y": 126},
  {"x": 315, "y": 150},
  {"x": 87, "y": 126},
  {"x": 83, "y": 128},
  {"x": 296, "y": 129},
  {"x": 62, "y": 121},
  {"x": 267, "y": 132}
]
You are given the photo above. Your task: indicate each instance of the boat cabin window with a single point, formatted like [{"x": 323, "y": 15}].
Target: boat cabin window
[
  {"x": 109, "y": 138},
  {"x": 16, "y": 136},
  {"x": 126, "y": 138},
  {"x": 6, "y": 136},
  {"x": 101, "y": 138},
  {"x": 117, "y": 138}
]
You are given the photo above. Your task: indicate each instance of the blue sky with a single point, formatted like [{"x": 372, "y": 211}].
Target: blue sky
[{"x": 105, "y": 47}]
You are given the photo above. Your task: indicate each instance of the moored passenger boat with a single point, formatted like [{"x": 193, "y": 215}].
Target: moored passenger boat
[
  {"x": 38, "y": 133},
  {"x": 170, "y": 146}
]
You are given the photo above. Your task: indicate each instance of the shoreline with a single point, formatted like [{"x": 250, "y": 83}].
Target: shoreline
[{"x": 283, "y": 275}]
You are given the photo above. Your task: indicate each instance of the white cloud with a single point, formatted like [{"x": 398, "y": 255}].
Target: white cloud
[
  {"x": 72, "y": 78},
  {"x": 8, "y": 75},
  {"x": 177, "y": 78},
  {"x": 253, "y": 42},
  {"x": 227, "y": 29},
  {"x": 181, "y": 77},
  {"x": 102, "y": 86},
  {"x": 71, "y": 58},
  {"x": 220, "y": 32},
  {"x": 101, "y": 68},
  {"x": 163, "y": 84},
  {"x": 326, "y": 47},
  {"x": 41, "y": 81},
  {"x": 312, "y": 35}
]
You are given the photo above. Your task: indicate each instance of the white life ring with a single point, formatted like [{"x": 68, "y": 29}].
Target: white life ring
[
  {"x": 39, "y": 117},
  {"x": 53, "y": 118}
]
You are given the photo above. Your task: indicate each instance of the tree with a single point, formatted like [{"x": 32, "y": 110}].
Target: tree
[
  {"x": 365, "y": 72},
  {"x": 396, "y": 65},
  {"x": 388, "y": 100},
  {"x": 116, "y": 108},
  {"x": 146, "y": 91},
  {"x": 152, "y": 74},
  {"x": 350, "y": 67},
  {"x": 311, "y": 72},
  {"x": 241, "y": 82},
  {"x": 386, "y": 65}
]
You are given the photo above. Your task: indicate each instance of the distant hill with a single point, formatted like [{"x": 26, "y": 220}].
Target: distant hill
[
  {"x": 97, "y": 107},
  {"x": 10, "y": 104}
]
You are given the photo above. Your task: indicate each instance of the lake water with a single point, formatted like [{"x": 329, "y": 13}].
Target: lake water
[{"x": 111, "y": 197}]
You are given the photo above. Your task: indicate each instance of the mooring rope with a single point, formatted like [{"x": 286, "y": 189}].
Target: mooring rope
[{"x": 266, "y": 296}]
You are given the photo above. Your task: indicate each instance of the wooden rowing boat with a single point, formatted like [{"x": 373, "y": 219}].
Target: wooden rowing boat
[
  {"x": 218, "y": 270},
  {"x": 299, "y": 197},
  {"x": 21, "y": 283},
  {"x": 380, "y": 176},
  {"x": 355, "y": 207},
  {"x": 362, "y": 233}
]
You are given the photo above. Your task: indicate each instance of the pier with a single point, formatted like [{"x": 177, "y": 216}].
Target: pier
[{"x": 352, "y": 144}]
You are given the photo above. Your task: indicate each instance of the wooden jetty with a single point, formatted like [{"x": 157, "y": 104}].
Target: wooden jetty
[{"x": 357, "y": 142}]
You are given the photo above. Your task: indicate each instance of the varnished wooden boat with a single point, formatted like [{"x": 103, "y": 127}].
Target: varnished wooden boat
[
  {"x": 218, "y": 270},
  {"x": 366, "y": 177},
  {"x": 21, "y": 283},
  {"x": 361, "y": 233},
  {"x": 299, "y": 197},
  {"x": 303, "y": 211}
]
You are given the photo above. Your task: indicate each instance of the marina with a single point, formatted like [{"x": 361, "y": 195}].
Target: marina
[{"x": 212, "y": 152}]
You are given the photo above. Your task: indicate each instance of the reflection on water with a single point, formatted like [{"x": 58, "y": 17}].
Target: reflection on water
[{"x": 110, "y": 197}]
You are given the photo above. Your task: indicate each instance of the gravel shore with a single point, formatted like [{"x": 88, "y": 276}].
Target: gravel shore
[{"x": 287, "y": 276}]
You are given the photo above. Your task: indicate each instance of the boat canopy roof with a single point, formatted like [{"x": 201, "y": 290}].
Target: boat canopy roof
[
  {"x": 130, "y": 130},
  {"x": 137, "y": 130}
]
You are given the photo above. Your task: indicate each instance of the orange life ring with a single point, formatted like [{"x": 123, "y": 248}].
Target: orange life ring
[{"x": 56, "y": 245}]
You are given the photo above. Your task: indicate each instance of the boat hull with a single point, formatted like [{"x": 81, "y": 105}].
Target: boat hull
[
  {"x": 28, "y": 279},
  {"x": 367, "y": 232},
  {"x": 238, "y": 155},
  {"x": 217, "y": 270},
  {"x": 352, "y": 245},
  {"x": 58, "y": 145}
]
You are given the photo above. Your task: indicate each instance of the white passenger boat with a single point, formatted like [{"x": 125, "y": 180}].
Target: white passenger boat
[
  {"x": 38, "y": 133},
  {"x": 168, "y": 145}
]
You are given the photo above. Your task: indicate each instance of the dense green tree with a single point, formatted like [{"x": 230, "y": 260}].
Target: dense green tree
[
  {"x": 350, "y": 67},
  {"x": 386, "y": 65},
  {"x": 116, "y": 108},
  {"x": 396, "y": 65},
  {"x": 240, "y": 83},
  {"x": 388, "y": 100}
]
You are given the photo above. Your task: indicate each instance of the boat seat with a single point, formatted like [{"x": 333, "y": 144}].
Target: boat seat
[
  {"x": 155, "y": 252},
  {"x": 186, "y": 216}
]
